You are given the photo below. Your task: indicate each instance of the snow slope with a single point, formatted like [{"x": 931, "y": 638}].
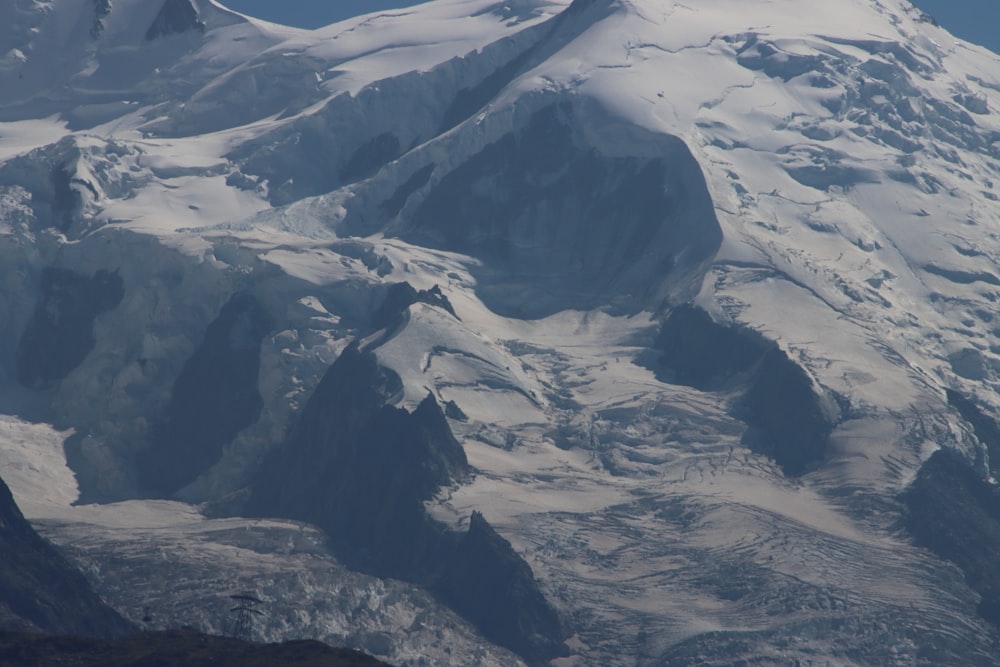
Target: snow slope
[{"x": 821, "y": 174}]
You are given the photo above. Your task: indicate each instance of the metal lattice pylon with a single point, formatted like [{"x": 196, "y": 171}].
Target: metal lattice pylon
[{"x": 245, "y": 611}]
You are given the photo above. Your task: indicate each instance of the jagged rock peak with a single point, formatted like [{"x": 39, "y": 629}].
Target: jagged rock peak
[
  {"x": 400, "y": 296},
  {"x": 175, "y": 17},
  {"x": 101, "y": 10}
]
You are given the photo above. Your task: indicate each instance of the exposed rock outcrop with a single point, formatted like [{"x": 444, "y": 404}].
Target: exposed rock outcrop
[
  {"x": 60, "y": 334},
  {"x": 492, "y": 586},
  {"x": 213, "y": 399},
  {"x": 697, "y": 352},
  {"x": 40, "y": 590},
  {"x": 790, "y": 419},
  {"x": 560, "y": 224},
  {"x": 101, "y": 10},
  {"x": 369, "y": 157},
  {"x": 954, "y": 513},
  {"x": 175, "y": 17},
  {"x": 986, "y": 429},
  {"x": 361, "y": 469},
  {"x": 401, "y": 296}
]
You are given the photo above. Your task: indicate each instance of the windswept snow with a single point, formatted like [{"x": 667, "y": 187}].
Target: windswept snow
[
  {"x": 19, "y": 137},
  {"x": 34, "y": 467},
  {"x": 848, "y": 152}
]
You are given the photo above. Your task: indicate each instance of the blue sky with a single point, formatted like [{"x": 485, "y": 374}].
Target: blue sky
[
  {"x": 313, "y": 13},
  {"x": 975, "y": 20}
]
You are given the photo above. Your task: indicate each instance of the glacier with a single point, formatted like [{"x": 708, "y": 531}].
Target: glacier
[{"x": 706, "y": 293}]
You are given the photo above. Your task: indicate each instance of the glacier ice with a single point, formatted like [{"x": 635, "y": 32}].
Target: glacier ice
[{"x": 781, "y": 210}]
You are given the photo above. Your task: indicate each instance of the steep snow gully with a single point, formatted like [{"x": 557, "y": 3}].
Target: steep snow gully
[{"x": 603, "y": 332}]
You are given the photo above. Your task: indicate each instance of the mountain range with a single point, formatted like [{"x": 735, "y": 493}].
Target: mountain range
[{"x": 603, "y": 332}]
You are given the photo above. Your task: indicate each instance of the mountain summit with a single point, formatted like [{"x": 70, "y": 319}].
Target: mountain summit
[{"x": 681, "y": 317}]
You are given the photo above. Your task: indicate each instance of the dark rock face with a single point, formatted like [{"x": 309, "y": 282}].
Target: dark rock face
[
  {"x": 551, "y": 217},
  {"x": 370, "y": 156},
  {"x": 793, "y": 426},
  {"x": 955, "y": 514},
  {"x": 101, "y": 10},
  {"x": 473, "y": 98},
  {"x": 555, "y": 33},
  {"x": 174, "y": 647},
  {"x": 50, "y": 176},
  {"x": 453, "y": 411},
  {"x": 60, "y": 334},
  {"x": 486, "y": 579},
  {"x": 697, "y": 352},
  {"x": 401, "y": 296},
  {"x": 985, "y": 428},
  {"x": 789, "y": 419},
  {"x": 395, "y": 203},
  {"x": 65, "y": 200},
  {"x": 213, "y": 399},
  {"x": 175, "y": 17},
  {"x": 361, "y": 469},
  {"x": 40, "y": 590}
]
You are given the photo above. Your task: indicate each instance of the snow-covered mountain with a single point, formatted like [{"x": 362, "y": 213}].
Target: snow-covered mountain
[{"x": 679, "y": 319}]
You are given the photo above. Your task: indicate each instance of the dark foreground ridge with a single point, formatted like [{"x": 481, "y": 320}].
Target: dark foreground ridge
[
  {"x": 40, "y": 590},
  {"x": 174, "y": 647}
]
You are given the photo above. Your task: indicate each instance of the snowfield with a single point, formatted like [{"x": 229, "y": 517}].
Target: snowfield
[{"x": 820, "y": 177}]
